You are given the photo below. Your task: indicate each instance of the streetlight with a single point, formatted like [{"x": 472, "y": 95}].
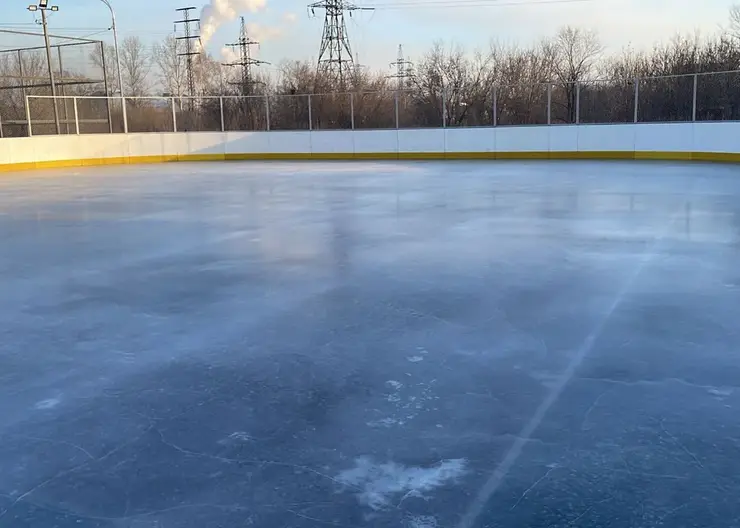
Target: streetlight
[
  {"x": 118, "y": 62},
  {"x": 44, "y": 7}
]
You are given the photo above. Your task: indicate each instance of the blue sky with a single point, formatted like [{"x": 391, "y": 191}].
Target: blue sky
[{"x": 287, "y": 31}]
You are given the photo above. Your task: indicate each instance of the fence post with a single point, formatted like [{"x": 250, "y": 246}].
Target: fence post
[
  {"x": 549, "y": 103},
  {"x": 310, "y": 114},
  {"x": 77, "y": 117},
  {"x": 693, "y": 104},
  {"x": 28, "y": 115},
  {"x": 352, "y": 108},
  {"x": 578, "y": 103},
  {"x": 221, "y": 105},
  {"x": 1, "y": 127},
  {"x": 637, "y": 97},
  {"x": 396, "y": 105},
  {"x": 125, "y": 115},
  {"x": 495, "y": 105},
  {"x": 267, "y": 111},
  {"x": 174, "y": 116}
]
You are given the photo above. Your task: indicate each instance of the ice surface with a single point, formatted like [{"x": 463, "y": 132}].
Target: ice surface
[{"x": 313, "y": 344}]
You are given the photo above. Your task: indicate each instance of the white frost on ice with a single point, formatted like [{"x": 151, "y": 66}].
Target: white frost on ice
[
  {"x": 423, "y": 521},
  {"x": 394, "y": 384},
  {"x": 238, "y": 436},
  {"x": 382, "y": 485},
  {"x": 47, "y": 404},
  {"x": 415, "y": 359},
  {"x": 385, "y": 422},
  {"x": 720, "y": 391}
]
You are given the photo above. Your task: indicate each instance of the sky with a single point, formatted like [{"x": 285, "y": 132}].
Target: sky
[{"x": 287, "y": 30}]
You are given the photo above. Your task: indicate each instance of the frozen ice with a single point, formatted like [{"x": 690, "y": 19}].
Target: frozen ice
[{"x": 215, "y": 344}]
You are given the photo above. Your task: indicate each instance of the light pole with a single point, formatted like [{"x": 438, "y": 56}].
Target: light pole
[
  {"x": 118, "y": 62},
  {"x": 43, "y": 7}
]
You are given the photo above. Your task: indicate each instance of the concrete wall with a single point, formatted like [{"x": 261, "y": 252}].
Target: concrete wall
[{"x": 681, "y": 141}]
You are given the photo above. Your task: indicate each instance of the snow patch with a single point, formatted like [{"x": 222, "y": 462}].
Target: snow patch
[
  {"x": 720, "y": 391},
  {"x": 47, "y": 404},
  {"x": 415, "y": 359},
  {"x": 382, "y": 485},
  {"x": 394, "y": 384}
]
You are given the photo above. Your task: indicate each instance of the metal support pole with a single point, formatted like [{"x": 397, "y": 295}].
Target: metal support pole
[
  {"x": 28, "y": 115},
  {"x": 495, "y": 106},
  {"x": 1, "y": 127},
  {"x": 174, "y": 116},
  {"x": 118, "y": 63},
  {"x": 352, "y": 108},
  {"x": 267, "y": 111},
  {"x": 693, "y": 104},
  {"x": 23, "y": 83},
  {"x": 549, "y": 104},
  {"x": 77, "y": 117},
  {"x": 63, "y": 92},
  {"x": 221, "y": 105},
  {"x": 51, "y": 70},
  {"x": 578, "y": 103},
  {"x": 637, "y": 97},
  {"x": 106, "y": 88},
  {"x": 310, "y": 114},
  {"x": 396, "y": 105}
]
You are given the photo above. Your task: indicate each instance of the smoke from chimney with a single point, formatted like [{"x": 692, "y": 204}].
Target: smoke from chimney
[{"x": 220, "y": 11}]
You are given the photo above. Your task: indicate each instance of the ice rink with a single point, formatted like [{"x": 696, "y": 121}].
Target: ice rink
[{"x": 371, "y": 344}]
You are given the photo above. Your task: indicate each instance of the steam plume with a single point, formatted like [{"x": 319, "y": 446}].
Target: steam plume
[{"x": 220, "y": 11}]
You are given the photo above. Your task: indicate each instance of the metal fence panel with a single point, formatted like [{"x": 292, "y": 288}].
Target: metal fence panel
[
  {"x": 607, "y": 101},
  {"x": 718, "y": 97},
  {"x": 522, "y": 104},
  {"x": 374, "y": 109},
  {"x": 93, "y": 115},
  {"x": 42, "y": 115},
  {"x": 472, "y": 111},
  {"x": 704, "y": 97},
  {"x": 663, "y": 99},
  {"x": 419, "y": 111},
  {"x": 331, "y": 111},
  {"x": 564, "y": 103},
  {"x": 198, "y": 114},
  {"x": 246, "y": 113},
  {"x": 288, "y": 112},
  {"x": 149, "y": 115}
]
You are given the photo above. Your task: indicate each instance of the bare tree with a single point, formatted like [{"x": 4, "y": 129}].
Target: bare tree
[
  {"x": 452, "y": 81},
  {"x": 577, "y": 53},
  {"x": 171, "y": 72},
  {"x": 136, "y": 65},
  {"x": 735, "y": 21}
]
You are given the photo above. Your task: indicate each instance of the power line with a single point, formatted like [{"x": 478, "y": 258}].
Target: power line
[
  {"x": 245, "y": 59},
  {"x": 435, "y": 4},
  {"x": 335, "y": 52},
  {"x": 188, "y": 38}
]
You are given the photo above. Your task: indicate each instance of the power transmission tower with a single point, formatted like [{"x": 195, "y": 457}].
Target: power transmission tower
[
  {"x": 245, "y": 60},
  {"x": 335, "y": 53},
  {"x": 189, "y": 37},
  {"x": 404, "y": 69}
]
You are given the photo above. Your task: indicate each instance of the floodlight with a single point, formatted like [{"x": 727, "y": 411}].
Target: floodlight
[
  {"x": 33, "y": 8},
  {"x": 43, "y": 4},
  {"x": 54, "y": 8}
]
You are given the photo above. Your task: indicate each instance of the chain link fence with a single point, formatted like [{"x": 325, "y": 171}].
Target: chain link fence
[
  {"x": 78, "y": 68},
  {"x": 699, "y": 97}
]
